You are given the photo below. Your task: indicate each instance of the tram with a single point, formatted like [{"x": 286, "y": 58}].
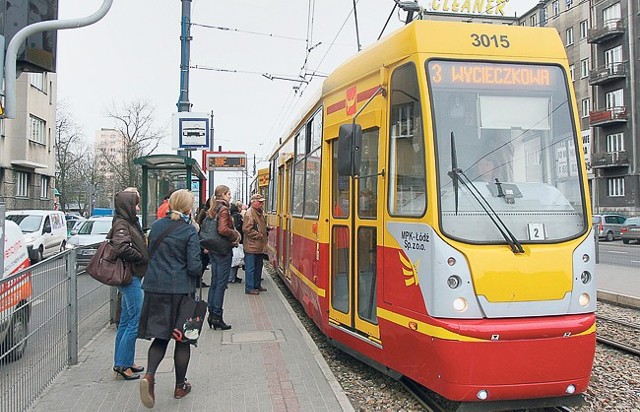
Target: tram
[{"x": 433, "y": 216}]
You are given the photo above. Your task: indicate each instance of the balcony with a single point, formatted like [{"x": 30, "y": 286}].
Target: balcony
[
  {"x": 610, "y": 29},
  {"x": 612, "y": 115},
  {"x": 609, "y": 159},
  {"x": 608, "y": 73}
]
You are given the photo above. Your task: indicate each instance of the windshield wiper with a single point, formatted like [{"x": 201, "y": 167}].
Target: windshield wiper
[{"x": 457, "y": 175}]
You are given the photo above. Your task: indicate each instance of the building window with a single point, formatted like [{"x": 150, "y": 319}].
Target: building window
[
  {"x": 2, "y": 129},
  {"x": 584, "y": 29},
  {"x": 586, "y": 107},
  {"x": 611, "y": 15},
  {"x": 44, "y": 187},
  {"x": 584, "y": 68},
  {"x": 615, "y": 142},
  {"x": 38, "y": 81},
  {"x": 37, "y": 132},
  {"x": 22, "y": 184},
  {"x": 572, "y": 72},
  {"x": 569, "y": 3},
  {"x": 556, "y": 8},
  {"x": 569, "y": 35},
  {"x": 523, "y": 23},
  {"x": 614, "y": 99},
  {"x": 612, "y": 56},
  {"x": 533, "y": 21},
  {"x": 615, "y": 187}
]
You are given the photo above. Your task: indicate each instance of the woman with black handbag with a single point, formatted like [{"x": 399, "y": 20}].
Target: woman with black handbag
[
  {"x": 220, "y": 257},
  {"x": 174, "y": 268}
]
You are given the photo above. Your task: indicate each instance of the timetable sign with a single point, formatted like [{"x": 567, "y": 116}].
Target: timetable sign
[{"x": 218, "y": 161}]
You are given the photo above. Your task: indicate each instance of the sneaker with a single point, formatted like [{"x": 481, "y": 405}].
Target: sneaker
[{"x": 182, "y": 390}]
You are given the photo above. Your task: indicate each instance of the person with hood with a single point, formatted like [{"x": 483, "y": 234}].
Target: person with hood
[
  {"x": 174, "y": 269},
  {"x": 129, "y": 244}
]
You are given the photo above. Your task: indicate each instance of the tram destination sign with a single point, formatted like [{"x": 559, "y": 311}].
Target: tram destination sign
[{"x": 229, "y": 161}]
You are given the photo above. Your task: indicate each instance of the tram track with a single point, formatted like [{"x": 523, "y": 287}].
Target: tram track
[{"x": 622, "y": 346}]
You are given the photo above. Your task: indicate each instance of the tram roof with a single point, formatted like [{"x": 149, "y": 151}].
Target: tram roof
[{"x": 447, "y": 39}]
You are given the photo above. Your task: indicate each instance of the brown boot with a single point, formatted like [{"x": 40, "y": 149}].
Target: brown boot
[
  {"x": 182, "y": 390},
  {"x": 147, "y": 396}
]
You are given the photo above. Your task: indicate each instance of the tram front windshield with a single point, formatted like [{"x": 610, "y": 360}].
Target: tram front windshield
[{"x": 506, "y": 148}]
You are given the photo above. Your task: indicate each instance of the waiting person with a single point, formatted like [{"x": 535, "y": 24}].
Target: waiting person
[
  {"x": 237, "y": 260},
  {"x": 204, "y": 256},
  {"x": 174, "y": 268},
  {"x": 163, "y": 209},
  {"x": 254, "y": 227},
  {"x": 129, "y": 244},
  {"x": 220, "y": 263}
]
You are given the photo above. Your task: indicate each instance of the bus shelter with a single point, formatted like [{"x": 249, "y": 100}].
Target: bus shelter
[{"x": 162, "y": 173}]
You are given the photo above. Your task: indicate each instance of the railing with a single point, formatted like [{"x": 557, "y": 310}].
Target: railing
[
  {"x": 42, "y": 334},
  {"x": 610, "y": 115},
  {"x": 609, "y": 29},
  {"x": 609, "y": 72},
  {"x": 609, "y": 159}
]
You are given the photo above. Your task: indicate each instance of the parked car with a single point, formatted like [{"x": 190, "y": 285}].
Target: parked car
[
  {"x": 74, "y": 222},
  {"x": 45, "y": 231},
  {"x": 86, "y": 238},
  {"x": 630, "y": 230},
  {"x": 608, "y": 226},
  {"x": 15, "y": 309}
]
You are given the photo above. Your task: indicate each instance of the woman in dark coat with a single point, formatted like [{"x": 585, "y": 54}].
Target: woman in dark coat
[
  {"x": 129, "y": 245},
  {"x": 174, "y": 268}
]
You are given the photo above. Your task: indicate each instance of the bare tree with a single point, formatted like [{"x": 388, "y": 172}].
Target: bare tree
[
  {"x": 70, "y": 148},
  {"x": 135, "y": 122}
]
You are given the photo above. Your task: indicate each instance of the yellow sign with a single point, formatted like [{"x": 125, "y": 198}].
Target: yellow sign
[{"x": 492, "y": 7}]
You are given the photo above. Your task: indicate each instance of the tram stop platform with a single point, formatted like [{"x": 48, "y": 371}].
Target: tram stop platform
[{"x": 265, "y": 362}]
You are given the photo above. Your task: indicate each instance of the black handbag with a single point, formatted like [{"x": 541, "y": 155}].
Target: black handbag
[
  {"x": 211, "y": 239},
  {"x": 106, "y": 268},
  {"x": 191, "y": 316}
]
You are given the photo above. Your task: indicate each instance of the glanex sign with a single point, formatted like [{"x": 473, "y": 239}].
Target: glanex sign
[{"x": 489, "y": 7}]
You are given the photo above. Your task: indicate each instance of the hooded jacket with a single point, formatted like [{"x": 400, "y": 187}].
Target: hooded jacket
[{"x": 126, "y": 234}]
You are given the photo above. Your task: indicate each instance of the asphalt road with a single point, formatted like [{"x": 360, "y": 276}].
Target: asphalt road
[{"x": 617, "y": 253}]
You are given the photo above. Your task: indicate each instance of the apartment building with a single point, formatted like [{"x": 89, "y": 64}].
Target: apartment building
[
  {"x": 27, "y": 154},
  {"x": 600, "y": 38},
  {"x": 109, "y": 154}
]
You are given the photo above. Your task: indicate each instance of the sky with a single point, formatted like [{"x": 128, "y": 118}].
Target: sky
[{"x": 133, "y": 54}]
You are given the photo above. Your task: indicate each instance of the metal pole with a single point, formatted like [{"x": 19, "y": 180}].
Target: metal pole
[
  {"x": 211, "y": 172},
  {"x": 2, "y": 209},
  {"x": 21, "y": 36},
  {"x": 72, "y": 309},
  {"x": 355, "y": 16},
  {"x": 185, "y": 39}
]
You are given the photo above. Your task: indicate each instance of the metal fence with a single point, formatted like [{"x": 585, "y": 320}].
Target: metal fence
[{"x": 41, "y": 336}]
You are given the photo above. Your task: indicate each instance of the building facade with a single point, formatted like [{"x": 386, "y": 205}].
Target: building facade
[
  {"x": 27, "y": 152},
  {"x": 601, "y": 37},
  {"x": 109, "y": 154}
]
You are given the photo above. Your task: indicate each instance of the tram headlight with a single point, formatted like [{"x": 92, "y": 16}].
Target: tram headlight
[
  {"x": 482, "y": 395},
  {"x": 570, "y": 389},
  {"x": 460, "y": 304},
  {"x": 454, "y": 282},
  {"x": 585, "y": 277},
  {"x": 451, "y": 261},
  {"x": 585, "y": 258},
  {"x": 584, "y": 299}
]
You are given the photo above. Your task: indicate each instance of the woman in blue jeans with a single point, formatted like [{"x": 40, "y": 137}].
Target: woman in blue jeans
[
  {"x": 220, "y": 263},
  {"x": 129, "y": 245}
]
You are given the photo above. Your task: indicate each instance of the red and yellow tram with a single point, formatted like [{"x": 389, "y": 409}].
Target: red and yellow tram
[{"x": 433, "y": 215}]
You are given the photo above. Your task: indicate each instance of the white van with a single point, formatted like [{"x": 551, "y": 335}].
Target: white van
[
  {"x": 45, "y": 231},
  {"x": 15, "y": 309}
]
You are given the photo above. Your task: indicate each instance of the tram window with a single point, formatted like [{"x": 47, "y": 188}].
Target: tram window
[
  {"x": 312, "y": 187},
  {"x": 298, "y": 174},
  {"x": 407, "y": 179},
  {"x": 340, "y": 194},
  {"x": 315, "y": 130},
  {"x": 368, "y": 182},
  {"x": 367, "y": 273},
  {"x": 340, "y": 269}
]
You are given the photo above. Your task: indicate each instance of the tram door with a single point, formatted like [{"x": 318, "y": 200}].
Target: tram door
[
  {"x": 285, "y": 235},
  {"x": 354, "y": 239}
]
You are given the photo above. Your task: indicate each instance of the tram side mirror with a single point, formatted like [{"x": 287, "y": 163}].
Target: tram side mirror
[{"x": 349, "y": 149}]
